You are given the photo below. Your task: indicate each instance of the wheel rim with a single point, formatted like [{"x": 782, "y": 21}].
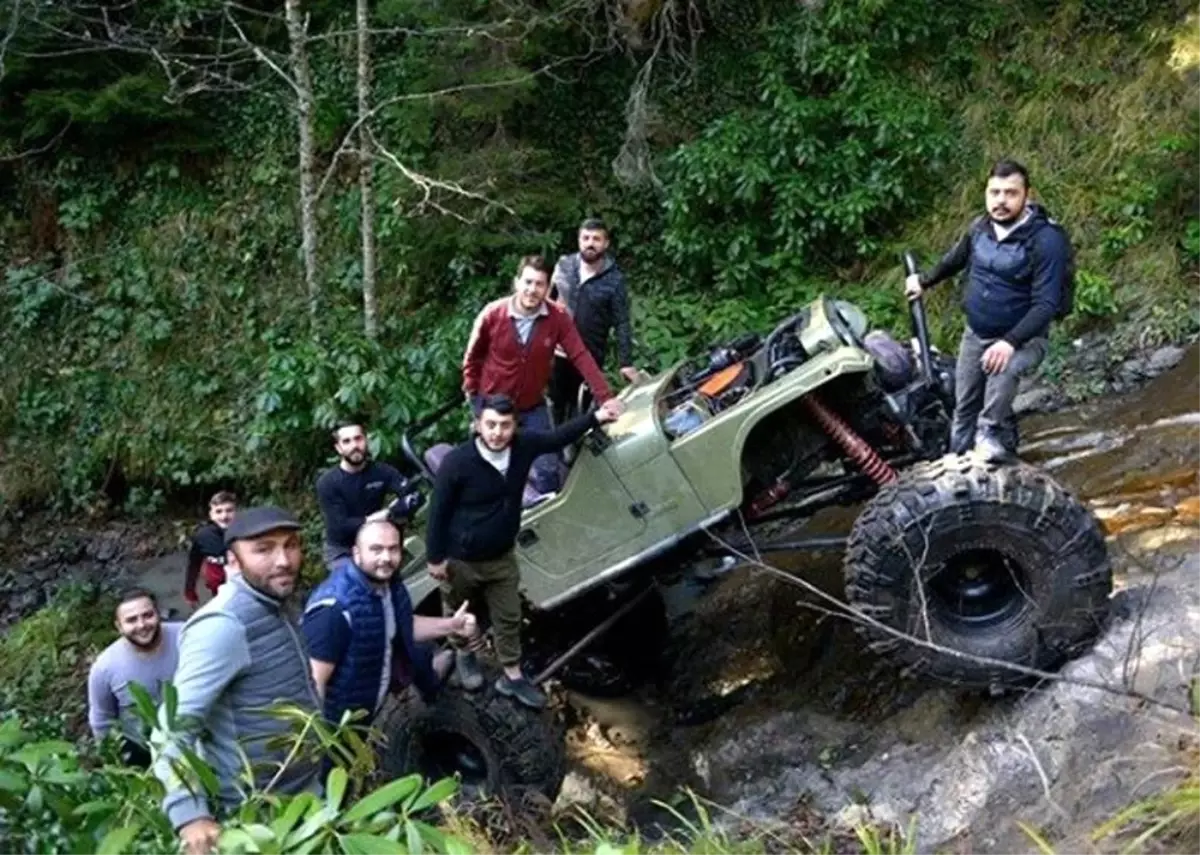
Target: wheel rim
[
  {"x": 976, "y": 589},
  {"x": 445, "y": 754}
]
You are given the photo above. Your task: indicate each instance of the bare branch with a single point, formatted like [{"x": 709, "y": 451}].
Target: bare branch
[
  {"x": 1042, "y": 776},
  {"x": 10, "y": 33},
  {"x": 457, "y": 89},
  {"x": 261, "y": 55},
  {"x": 429, "y": 186},
  {"x": 33, "y": 152}
]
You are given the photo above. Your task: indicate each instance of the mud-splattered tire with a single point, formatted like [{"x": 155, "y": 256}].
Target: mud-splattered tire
[
  {"x": 1013, "y": 568},
  {"x": 498, "y": 746}
]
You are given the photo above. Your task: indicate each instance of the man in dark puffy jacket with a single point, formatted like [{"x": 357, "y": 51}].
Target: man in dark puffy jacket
[
  {"x": 591, "y": 287},
  {"x": 1017, "y": 261},
  {"x": 363, "y": 638}
]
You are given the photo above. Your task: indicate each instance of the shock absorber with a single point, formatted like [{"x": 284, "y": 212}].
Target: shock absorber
[{"x": 856, "y": 448}]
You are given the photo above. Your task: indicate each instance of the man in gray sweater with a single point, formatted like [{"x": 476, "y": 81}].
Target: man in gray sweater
[
  {"x": 147, "y": 653},
  {"x": 240, "y": 653}
]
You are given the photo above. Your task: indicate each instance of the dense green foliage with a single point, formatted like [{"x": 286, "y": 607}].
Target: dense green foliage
[{"x": 153, "y": 302}]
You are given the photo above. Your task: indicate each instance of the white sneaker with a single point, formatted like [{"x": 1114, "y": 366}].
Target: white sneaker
[{"x": 989, "y": 450}]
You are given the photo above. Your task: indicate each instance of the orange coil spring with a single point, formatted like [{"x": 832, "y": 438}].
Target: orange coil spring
[{"x": 856, "y": 448}]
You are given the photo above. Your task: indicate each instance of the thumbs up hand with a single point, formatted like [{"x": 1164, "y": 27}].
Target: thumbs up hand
[{"x": 463, "y": 622}]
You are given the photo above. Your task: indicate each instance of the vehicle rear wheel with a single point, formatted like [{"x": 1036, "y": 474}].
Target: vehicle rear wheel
[
  {"x": 497, "y": 747},
  {"x": 994, "y": 562}
]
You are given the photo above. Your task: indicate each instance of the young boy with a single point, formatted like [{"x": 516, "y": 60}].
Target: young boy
[{"x": 208, "y": 548}]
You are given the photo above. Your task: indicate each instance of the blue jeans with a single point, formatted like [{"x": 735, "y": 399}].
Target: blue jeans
[{"x": 544, "y": 475}]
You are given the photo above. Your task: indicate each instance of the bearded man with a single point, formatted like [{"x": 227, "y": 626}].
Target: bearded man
[
  {"x": 147, "y": 653},
  {"x": 364, "y": 640},
  {"x": 353, "y": 492}
]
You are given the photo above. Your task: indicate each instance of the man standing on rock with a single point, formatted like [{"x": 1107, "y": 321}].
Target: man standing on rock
[
  {"x": 511, "y": 351},
  {"x": 591, "y": 287},
  {"x": 240, "y": 654},
  {"x": 207, "y": 554},
  {"x": 1019, "y": 281},
  {"x": 471, "y": 533},
  {"x": 353, "y": 491},
  {"x": 147, "y": 653},
  {"x": 362, "y": 633}
]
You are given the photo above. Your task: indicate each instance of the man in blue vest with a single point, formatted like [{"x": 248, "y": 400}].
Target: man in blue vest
[
  {"x": 1018, "y": 263},
  {"x": 362, "y": 634}
]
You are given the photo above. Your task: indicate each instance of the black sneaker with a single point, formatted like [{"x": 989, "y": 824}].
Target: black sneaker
[
  {"x": 466, "y": 666},
  {"x": 521, "y": 690}
]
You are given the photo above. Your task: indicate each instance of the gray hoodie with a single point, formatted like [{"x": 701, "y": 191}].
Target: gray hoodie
[{"x": 238, "y": 654}]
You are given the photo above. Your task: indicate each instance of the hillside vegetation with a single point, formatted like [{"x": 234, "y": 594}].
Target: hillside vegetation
[{"x": 749, "y": 156}]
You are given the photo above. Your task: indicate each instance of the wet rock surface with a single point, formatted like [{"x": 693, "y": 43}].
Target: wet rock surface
[
  {"x": 35, "y": 566},
  {"x": 770, "y": 706}
]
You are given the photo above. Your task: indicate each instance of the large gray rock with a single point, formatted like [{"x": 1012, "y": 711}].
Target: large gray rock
[
  {"x": 1036, "y": 399},
  {"x": 1165, "y": 358}
]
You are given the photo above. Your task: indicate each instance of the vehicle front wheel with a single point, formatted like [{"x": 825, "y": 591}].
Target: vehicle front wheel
[
  {"x": 996, "y": 565},
  {"x": 496, "y": 746}
]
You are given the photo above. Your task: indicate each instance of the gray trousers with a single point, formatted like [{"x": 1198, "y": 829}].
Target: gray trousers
[{"x": 983, "y": 402}]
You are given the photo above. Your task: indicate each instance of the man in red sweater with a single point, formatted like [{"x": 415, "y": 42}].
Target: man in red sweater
[{"x": 511, "y": 352}]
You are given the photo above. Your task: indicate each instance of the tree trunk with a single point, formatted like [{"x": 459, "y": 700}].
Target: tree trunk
[
  {"x": 298, "y": 37},
  {"x": 366, "y": 172}
]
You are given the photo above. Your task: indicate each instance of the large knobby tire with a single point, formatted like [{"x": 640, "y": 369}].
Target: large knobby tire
[
  {"x": 1012, "y": 567},
  {"x": 499, "y": 747}
]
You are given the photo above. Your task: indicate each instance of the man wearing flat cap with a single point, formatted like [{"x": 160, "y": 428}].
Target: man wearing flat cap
[{"x": 240, "y": 653}]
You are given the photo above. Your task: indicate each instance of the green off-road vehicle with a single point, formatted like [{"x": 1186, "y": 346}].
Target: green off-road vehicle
[{"x": 957, "y": 568}]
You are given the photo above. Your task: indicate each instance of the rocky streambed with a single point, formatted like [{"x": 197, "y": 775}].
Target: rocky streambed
[{"x": 775, "y": 710}]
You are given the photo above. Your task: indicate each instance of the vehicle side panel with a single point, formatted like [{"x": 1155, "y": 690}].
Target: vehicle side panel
[{"x": 711, "y": 457}]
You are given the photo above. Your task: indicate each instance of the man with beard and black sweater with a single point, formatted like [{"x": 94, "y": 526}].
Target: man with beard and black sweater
[
  {"x": 207, "y": 554},
  {"x": 352, "y": 492},
  {"x": 471, "y": 533},
  {"x": 1018, "y": 262},
  {"x": 591, "y": 287}
]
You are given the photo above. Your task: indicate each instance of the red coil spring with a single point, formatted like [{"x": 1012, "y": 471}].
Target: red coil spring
[{"x": 856, "y": 448}]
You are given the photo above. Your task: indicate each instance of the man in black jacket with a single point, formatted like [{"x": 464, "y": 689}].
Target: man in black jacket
[
  {"x": 591, "y": 287},
  {"x": 352, "y": 493},
  {"x": 207, "y": 553},
  {"x": 1018, "y": 262},
  {"x": 474, "y": 517}
]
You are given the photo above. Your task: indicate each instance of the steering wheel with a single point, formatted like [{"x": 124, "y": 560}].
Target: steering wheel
[{"x": 842, "y": 325}]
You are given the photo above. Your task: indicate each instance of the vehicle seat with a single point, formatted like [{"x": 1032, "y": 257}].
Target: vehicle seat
[
  {"x": 436, "y": 454},
  {"x": 894, "y": 363}
]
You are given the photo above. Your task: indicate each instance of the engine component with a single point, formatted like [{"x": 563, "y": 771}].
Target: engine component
[
  {"x": 857, "y": 449},
  {"x": 769, "y": 497},
  {"x": 722, "y": 380}
]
